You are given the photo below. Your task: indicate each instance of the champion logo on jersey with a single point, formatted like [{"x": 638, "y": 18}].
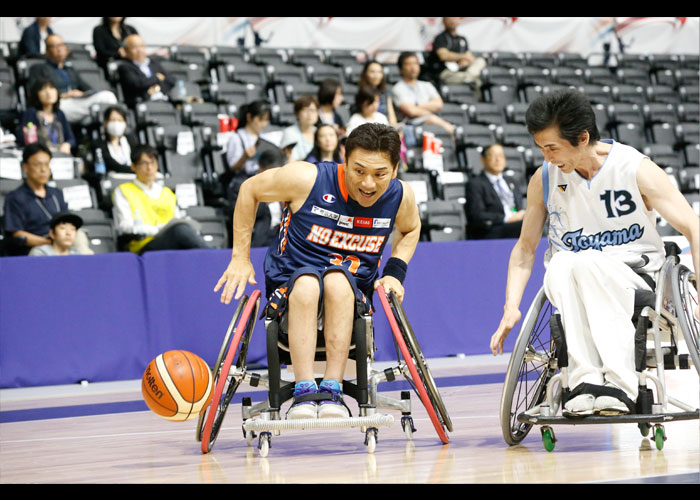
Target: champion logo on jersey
[
  {"x": 328, "y": 198},
  {"x": 562, "y": 187}
]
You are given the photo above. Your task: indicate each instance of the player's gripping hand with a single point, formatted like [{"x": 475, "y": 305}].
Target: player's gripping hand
[
  {"x": 391, "y": 284},
  {"x": 508, "y": 321},
  {"x": 237, "y": 275}
]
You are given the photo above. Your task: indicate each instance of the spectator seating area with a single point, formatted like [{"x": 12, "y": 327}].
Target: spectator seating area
[{"x": 647, "y": 101}]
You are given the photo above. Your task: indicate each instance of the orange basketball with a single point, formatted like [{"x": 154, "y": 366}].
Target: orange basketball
[{"x": 177, "y": 385}]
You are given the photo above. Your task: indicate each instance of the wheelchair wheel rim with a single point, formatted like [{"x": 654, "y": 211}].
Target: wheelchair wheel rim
[
  {"x": 421, "y": 364},
  {"x": 220, "y": 359},
  {"x": 685, "y": 295},
  {"x": 526, "y": 380},
  {"x": 420, "y": 389},
  {"x": 215, "y": 408}
]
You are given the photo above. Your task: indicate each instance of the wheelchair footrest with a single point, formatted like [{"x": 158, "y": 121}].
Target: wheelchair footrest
[
  {"x": 259, "y": 425},
  {"x": 616, "y": 419}
]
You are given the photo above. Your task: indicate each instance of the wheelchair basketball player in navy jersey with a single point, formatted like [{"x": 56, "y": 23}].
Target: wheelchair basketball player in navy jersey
[
  {"x": 324, "y": 264},
  {"x": 598, "y": 197}
]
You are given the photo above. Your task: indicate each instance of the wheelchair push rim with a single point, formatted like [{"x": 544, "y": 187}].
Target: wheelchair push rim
[
  {"x": 422, "y": 380},
  {"x": 218, "y": 406},
  {"x": 684, "y": 284},
  {"x": 216, "y": 368},
  {"x": 527, "y": 376}
]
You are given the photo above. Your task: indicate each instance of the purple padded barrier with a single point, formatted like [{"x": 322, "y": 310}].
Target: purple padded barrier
[
  {"x": 104, "y": 317},
  {"x": 64, "y": 319}
]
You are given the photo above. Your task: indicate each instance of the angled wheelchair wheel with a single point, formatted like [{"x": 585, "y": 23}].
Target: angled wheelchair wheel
[
  {"x": 225, "y": 385},
  {"x": 685, "y": 299},
  {"x": 421, "y": 378},
  {"x": 528, "y": 369}
]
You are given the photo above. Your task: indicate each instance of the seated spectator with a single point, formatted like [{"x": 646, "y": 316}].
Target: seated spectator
[
  {"x": 326, "y": 146},
  {"x": 241, "y": 154},
  {"x": 269, "y": 215},
  {"x": 302, "y": 133},
  {"x": 118, "y": 143},
  {"x": 453, "y": 59},
  {"x": 367, "y": 106},
  {"x": 417, "y": 100},
  {"x": 63, "y": 233},
  {"x": 141, "y": 77},
  {"x": 494, "y": 206},
  {"x": 330, "y": 97},
  {"x": 29, "y": 208},
  {"x": 77, "y": 96},
  {"x": 43, "y": 112},
  {"x": 146, "y": 214},
  {"x": 33, "y": 41},
  {"x": 108, "y": 37},
  {"x": 373, "y": 76}
]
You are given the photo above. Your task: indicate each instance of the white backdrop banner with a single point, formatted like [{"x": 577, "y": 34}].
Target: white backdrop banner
[{"x": 584, "y": 35}]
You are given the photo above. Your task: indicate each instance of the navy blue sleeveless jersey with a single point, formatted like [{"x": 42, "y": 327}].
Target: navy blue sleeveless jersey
[{"x": 332, "y": 229}]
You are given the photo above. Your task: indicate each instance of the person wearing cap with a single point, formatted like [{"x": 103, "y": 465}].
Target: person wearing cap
[{"x": 63, "y": 234}]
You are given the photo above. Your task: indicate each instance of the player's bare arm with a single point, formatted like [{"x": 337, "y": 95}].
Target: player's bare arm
[
  {"x": 405, "y": 239},
  {"x": 521, "y": 260},
  {"x": 291, "y": 183}
]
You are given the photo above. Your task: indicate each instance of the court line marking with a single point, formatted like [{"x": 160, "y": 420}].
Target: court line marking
[{"x": 147, "y": 433}]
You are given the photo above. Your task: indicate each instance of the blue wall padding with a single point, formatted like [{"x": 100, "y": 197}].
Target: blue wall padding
[{"x": 105, "y": 317}]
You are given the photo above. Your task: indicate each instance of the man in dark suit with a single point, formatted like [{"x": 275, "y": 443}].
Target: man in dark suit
[
  {"x": 494, "y": 205},
  {"x": 142, "y": 78}
]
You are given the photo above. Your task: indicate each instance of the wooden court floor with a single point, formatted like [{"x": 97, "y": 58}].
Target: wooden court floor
[{"x": 103, "y": 433}]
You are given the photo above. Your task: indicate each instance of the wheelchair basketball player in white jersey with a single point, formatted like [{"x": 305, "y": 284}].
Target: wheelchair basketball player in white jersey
[{"x": 598, "y": 198}]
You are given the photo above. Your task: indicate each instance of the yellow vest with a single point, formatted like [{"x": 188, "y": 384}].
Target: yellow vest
[{"x": 147, "y": 210}]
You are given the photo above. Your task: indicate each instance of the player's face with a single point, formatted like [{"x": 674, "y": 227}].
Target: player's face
[
  {"x": 558, "y": 150},
  {"x": 367, "y": 175}
]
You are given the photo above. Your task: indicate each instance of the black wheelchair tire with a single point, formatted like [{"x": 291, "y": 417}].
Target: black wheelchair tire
[
  {"x": 535, "y": 330},
  {"x": 685, "y": 299}
]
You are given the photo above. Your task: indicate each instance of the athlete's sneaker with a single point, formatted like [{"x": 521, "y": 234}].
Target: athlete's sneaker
[
  {"x": 608, "y": 405},
  {"x": 332, "y": 408},
  {"x": 301, "y": 408},
  {"x": 580, "y": 406}
]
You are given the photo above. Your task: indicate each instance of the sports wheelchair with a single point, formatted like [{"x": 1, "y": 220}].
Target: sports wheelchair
[
  {"x": 264, "y": 417},
  {"x": 533, "y": 390}
]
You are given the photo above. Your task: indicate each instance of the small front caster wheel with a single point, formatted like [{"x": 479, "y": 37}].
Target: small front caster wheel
[
  {"x": 644, "y": 429},
  {"x": 659, "y": 436},
  {"x": 407, "y": 426},
  {"x": 371, "y": 439},
  {"x": 264, "y": 444},
  {"x": 548, "y": 438},
  {"x": 249, "y": 437}
]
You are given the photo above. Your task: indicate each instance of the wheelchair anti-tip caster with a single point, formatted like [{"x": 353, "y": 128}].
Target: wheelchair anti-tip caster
[
  {"x": 407, "y": 426},
  {"x": 659, "y": 436},
  {"x": 264, "y": 444},
  {"x": 548, "y": 437},
  {"x": 371, "y": 439}
]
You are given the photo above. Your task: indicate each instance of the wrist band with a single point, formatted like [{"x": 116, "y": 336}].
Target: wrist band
[{"x": 396, "y": 268}]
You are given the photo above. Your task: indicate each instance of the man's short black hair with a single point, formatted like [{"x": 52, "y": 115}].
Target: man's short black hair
[
  {"x": 403, "y": 56},
  {"x": 32, "y": 149},
  {"x": 570, "y": 110},
  {"x": 143, "y": 149},
  {"x": 375, "y": 137}
]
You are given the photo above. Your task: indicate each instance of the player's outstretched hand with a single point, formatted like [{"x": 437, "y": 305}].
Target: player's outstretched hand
[
  {"x": 508, "y": 321},
  {"x": 238, "y": 273},
  {"x": 391, "y": 284}
]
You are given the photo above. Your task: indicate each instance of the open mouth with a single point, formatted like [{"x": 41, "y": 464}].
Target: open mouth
[{"x": 366, "y": 194}]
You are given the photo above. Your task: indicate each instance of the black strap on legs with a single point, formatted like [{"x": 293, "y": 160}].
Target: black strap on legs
[{"x": 599, "y": 390}]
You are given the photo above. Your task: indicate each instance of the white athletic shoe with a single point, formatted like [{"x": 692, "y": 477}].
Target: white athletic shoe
[
  {"x": 580, "y": 406},
  {"x": 608, "y": 405}
]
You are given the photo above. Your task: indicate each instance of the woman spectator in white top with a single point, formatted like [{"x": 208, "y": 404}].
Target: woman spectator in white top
[
  {"x": 241, "y": 153},
  {"x": 366, "y": 109}
]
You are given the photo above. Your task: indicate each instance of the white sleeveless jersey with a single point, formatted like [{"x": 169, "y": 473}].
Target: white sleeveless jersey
[{"x": 606, "y": 213}]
